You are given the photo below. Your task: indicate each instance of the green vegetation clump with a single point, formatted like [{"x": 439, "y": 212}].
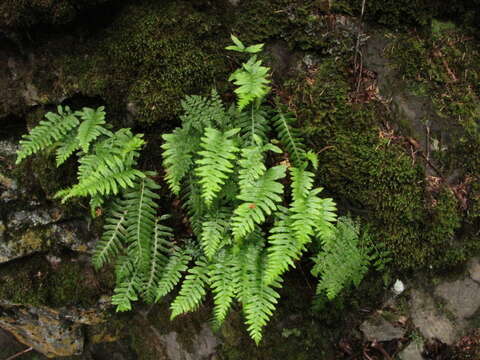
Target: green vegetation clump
[{"x": 375, "y": 176}]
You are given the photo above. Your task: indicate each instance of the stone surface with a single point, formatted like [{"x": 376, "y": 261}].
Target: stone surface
[
  {"x": 412, "y": 352},
  {"x": 44, "y": 329},
  {"x": 203, "y": 346},
  {"x": 462, "y": 297},
  {"x": 474, "y": 269},
  {"x": 380, "y": 329},
  {"x": 426, "y": 318}
]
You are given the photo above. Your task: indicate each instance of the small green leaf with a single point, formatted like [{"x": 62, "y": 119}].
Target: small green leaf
[{"x": 253, "y": 49}]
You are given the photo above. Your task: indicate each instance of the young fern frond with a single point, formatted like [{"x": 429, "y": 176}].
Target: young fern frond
[
  {"x": 260, "y": 199},
  {"x": 172, "y": 272},
  {"x": 193, "y": 290},
  {"x": 91, "y": 126},
  {"x": 178, "y": 151},
  {"x": 342, "y": 261},
  {"x": 289, "y": 137},
  {"x": 216, "y": 161},
  {"x": 252, "y": 82},
  {"x": 44, "y": 135}
]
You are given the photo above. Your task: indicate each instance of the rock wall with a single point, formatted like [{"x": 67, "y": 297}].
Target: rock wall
[{"x": 395, "y": 125}]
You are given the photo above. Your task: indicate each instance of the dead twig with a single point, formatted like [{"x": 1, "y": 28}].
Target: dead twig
[{"x": 19, "y": 353}]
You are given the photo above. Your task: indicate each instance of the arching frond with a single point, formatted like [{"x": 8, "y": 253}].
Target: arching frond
[
  {"x": 192, "y": 290},
  {"x": 45, "y": 134}
]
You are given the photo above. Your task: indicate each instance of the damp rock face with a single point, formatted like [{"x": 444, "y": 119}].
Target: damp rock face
[{"x": 44, "y": 329}]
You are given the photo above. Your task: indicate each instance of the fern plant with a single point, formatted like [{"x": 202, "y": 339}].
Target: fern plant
[{"x": 252, "y": 202}]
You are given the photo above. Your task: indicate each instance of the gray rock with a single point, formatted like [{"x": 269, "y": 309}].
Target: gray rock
[
  {"x": 427, "y": 319},
  {"x": 203, "y": 348},
  {"x": 474, "y": 269},
  {"x": 412, "y": 352},
  {"x": 462, "y": 297},
  {"x": 24, "y": 219},
  {"x": 381, "y": 330}
]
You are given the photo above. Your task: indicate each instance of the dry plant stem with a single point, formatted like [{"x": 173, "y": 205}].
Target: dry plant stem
[
  {"x": 357, "y": 50},
  {"x": 19, "y": 353}
]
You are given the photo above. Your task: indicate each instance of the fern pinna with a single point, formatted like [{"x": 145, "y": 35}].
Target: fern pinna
[{"x": 235, "y": 184}]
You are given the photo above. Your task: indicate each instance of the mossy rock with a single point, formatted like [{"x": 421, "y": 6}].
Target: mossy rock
[
  {"x": 149, "y": 57},
  {"x": 34, "y": 281},
  {"x": 371, "y": 175},
  {"x": 26, "y": 13}
]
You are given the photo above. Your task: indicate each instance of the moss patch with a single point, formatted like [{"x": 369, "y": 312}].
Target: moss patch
[
  {"x": 33, "y": 281},
  {"x": 374, "y": 177}
]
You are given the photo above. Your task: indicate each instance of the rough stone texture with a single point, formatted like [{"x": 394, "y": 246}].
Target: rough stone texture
[
  {"x": 381, "y": 330},
  {"x": 426, "y": 318},
  {"x": 412, "y": 352},
  {"x": 46, "y": 330},
  {"x": 411, "y": 110},
  {"x": 203, "y": 347},
  {"x": 462, "y": 297},
  {"x": 474, "y": 269}
]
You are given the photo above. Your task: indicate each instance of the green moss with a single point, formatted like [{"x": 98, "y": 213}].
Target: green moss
[
  {"x": 151, "y": 55},
  {"x": 25, "y": 13},
  {"x": 372, "y": 175},
  {"x": 34, "y": 281}
]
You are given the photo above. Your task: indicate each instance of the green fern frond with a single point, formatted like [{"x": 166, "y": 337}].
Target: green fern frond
[
  {"x": 127, "y": 291},
  {"x": 252, "y": 82},
  {"x": 216, "y": 161},
  {"x": 142, "y": 208},
  {"x": 283, "y": 251},
  {"x": 178, "y": 260},
  {"x": 113, "y": 236},
  {"x": 107, "y": 170},
  {"x": 91, "y": 126},
  {"x": 68, "y": 146},
  {"x": 260, "y": 199},
  {"x": 253, "y": 121},
  {"x": 260, "y": 299},
  {"x": 214, "y": 232},
  {"x": 178, "y": 151},
  {"x": 193, "y": 289},
  {"x": 310, "y": 214},
  {"x": 194, "y": 204},
  {"x": 342, "y": 261},
  {"x": 224, "y": 284},
  {"x": 159, "y": 250},
  {"x": 44, "y": 135},
  {"x": 252, "y": 163},
  {"x": 203, "y": 112},
  {"x": 289, "y": 137}
]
